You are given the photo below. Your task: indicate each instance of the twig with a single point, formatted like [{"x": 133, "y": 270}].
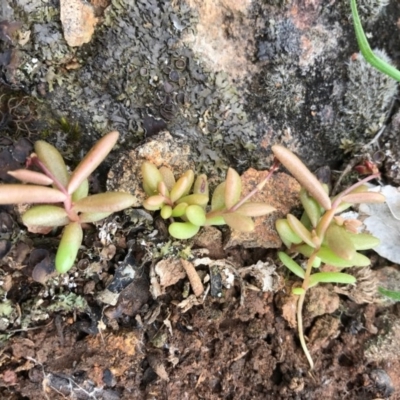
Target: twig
[{"x": 193, "y": 277}]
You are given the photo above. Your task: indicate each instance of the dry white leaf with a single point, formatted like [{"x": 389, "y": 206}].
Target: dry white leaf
[
  {"x": 383, "y": 221},
  {"x": 188, "y": 303},
  {"x": 169, "y": 272},
  {"x": 265, "y": 275}
]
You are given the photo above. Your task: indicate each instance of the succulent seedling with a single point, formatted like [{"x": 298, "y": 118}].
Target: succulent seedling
[
  {"x": 321, "y": 235},
  {"x": 184, "y": 202},
  {"x": 67, "y": 203}
]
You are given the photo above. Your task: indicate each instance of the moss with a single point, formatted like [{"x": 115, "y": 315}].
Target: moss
[{"x": 72, "y": 130}]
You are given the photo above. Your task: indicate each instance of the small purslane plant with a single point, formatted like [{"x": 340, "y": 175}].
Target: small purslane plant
[
  {"x": 67, "y": 202},
  {"x": 321, "y": 235},
  {"x": 184, "y": 202}
]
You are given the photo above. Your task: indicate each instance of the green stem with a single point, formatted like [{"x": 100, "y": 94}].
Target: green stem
[{"x": 365, "y": 48}]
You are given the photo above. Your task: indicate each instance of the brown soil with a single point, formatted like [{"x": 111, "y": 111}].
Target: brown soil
[{"x": 222, "y": 349}]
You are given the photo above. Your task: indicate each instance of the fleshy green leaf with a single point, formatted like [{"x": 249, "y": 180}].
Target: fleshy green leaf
[
  {"x": 154, "y": 201},
  {"x": 255, "y": 209},
  {"x": 286, "y": 233},
  {"x": 292, "y": 265},
  {"x": 82, "y": 191},
  {"x": 311, "y": 207},
  {"x": 179, "y": 188},
  {"x": 214, "y": 218},
  {"x": 92, "y": 160},
  {"x": 300, "y": 230},
  {"x": 166, "y": 211},
  {"x": 17, "y": 194},
  {"x": 45, "y": 216},
  {"x": 317, "y": 262},
  {"x": 218, "y": 198},
  {"x": 339, "y": 241},
  {"x": 52, "y": 160},
  {"x": 233, "y": 188},
  {"x": 104, "y": 202},
  {"x": 93, "y": 216},
  {"x": 305, "y": 220},
  {"x": 183, "y": 230},
  {"x": 199, "y": 199},
  {"x": 70, "y": 242},
  {"x": 343, "y": 206},
  {"x": 27, "y": 176},
  {"x": 331, "y": 277},
  {"x": 179, "y": 210},
  {"x": 239, "y": 222},
  {"x": 151, "y": 178},
  {"x": 303, "y": 175},
  {"x": 363, "y": 241},
  {"x": 196, "y": 215},
  {"x": 327, "y": 256},
  {"x": 298, "y": 291},
  {"x": 167, "y": 177}
]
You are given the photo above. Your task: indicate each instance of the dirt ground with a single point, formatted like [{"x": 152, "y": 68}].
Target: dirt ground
[{"x": 242, "y": 80}]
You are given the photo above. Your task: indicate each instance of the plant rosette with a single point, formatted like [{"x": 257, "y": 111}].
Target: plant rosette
[
  {"x": 67, "y": 202},
  {"x": 184, "y": 202}
]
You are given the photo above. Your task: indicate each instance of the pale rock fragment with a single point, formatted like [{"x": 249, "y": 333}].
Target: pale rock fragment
[{"x": 78, "y": 21}]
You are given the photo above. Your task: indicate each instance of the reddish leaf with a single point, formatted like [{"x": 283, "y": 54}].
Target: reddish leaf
[
  {"x": 27, "y": 176},
  {"x": 365, "y": 197},
  {"x": 255, "y": 209},
  {"x": 303, "y": 175},
  {"x": 17, "y": 194},
  {"x": 92, "y": 160},
  {"x": 104, "y": 202}
]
